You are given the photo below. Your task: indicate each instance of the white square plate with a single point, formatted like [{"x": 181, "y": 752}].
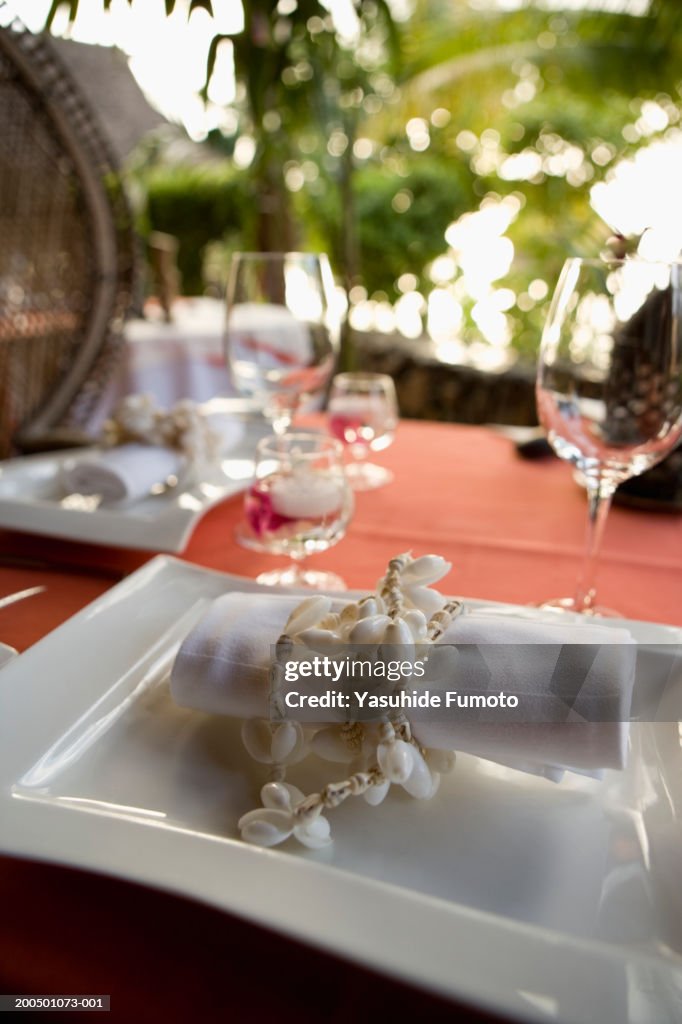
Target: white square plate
[
  {"x": 542, "y": 901},
  {"x": 32, "y": 500}
]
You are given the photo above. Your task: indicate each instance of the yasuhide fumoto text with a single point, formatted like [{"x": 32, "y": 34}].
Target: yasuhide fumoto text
[{"x": 402, "y": 699}]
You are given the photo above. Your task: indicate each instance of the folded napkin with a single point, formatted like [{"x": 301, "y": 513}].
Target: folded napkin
[
  {"x": 222, "y": 667},
  {"x": 128, "y": 472},
  {"x": 125, "y": 473}
]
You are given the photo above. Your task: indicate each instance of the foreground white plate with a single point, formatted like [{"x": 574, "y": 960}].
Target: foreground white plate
[
  {"x": 543, "y": 901},
  {"x": 31, "y": 500},
  {"x": 6, "y": 654}
]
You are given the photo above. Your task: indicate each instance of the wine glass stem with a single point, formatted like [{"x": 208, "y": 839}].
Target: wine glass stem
[
  {"x": 296, "y": 575},
  {"x": 599, "y": 502},
  {"x": 282, "y": 414},
  {"x": 281, "y": 422}
]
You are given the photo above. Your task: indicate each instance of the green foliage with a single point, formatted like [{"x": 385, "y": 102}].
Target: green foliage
[
  {"x": 535, "y": 79},
  {"x": 394, "y": 241},
  {"x": 198, "y": 205}
]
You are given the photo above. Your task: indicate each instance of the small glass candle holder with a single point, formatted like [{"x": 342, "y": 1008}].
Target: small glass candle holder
[
  {"x": 363, "y": 415},
  {"x": 300, "y": 503}
]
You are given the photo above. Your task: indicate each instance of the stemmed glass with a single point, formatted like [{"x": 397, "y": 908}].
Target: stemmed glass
[
  {"x": 363, "y": 414},
  {"x": 609, "y": 382},
  {"x": 281, "y": 334},
  {"x": 300, "y": 503}
]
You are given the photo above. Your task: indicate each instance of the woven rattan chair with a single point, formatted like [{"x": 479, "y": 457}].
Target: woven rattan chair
[{"x": 66, "y": 248}]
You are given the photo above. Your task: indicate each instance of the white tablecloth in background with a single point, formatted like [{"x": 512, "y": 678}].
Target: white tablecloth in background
[{"x": 183, "y": 359}]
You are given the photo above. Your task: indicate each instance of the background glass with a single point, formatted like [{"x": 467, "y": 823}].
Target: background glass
[
  {"x": 609, "y": 382},
  {"x": 281, "y": 335},
  {"x": 300, "y": 503},
  {"x": 363, "y": 414}
]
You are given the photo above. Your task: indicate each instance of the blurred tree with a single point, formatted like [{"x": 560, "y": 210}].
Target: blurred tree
[
  {"x": 300, "y": 82},
  {"x": 372, "y": 138},
  {"x": 301, "y": 85},
  {"x": 540, "y": 102}
]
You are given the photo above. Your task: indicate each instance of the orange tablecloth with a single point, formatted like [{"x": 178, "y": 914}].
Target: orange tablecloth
[{"x": 514, "y": 532}]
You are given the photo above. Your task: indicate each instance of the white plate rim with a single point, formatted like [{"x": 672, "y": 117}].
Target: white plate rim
[{"x": 164, "y": 522}]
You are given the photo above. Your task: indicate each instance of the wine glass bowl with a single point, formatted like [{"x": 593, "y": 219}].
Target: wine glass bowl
[
  {"x": 300, "y": 503},
  {"x": 609, "y": 381},
  {"x": 281, "y": 334},
  {"x": 362, "y": 413}
]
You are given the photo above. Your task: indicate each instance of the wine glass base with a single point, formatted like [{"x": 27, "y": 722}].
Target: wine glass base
[
  {"x": 367, "y": 476},
  {"x": 567, "y": 604},
  {"x": 291, "y": 576},
  {"x": 311, "y": 579},
  {"x": 245, "y": 536}
]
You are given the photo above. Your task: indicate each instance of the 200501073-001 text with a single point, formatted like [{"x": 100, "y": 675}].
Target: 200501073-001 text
[{"x": 12, "y": 1003}]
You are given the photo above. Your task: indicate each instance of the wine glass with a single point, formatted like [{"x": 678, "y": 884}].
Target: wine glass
[
  {"x": 363, "y": 414},
  {"x": 300, "y": 503},
  {"x": 609, "y": 382},
  {"x": 281, "y": 335}
]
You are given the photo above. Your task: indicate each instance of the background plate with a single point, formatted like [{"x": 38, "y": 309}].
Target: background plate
[{"x": 30, "y": 500}]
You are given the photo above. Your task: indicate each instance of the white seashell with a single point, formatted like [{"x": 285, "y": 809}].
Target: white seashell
[
  {"x": 442, "y": 665},
  {"x": 318, "y": 639},
  {"x": 266, "y": 826},
  {"x": 396, "y": 760},
  {"x": 376, "y": 794},
  {"x": 328, "y": 744},
  {"x": 416, "y": 623},
  {"x": 397, "y": 643},
  {"x": 284, "y": 741},
  {"x": 435, "y": 776},
  {"x": 343, "y": 632},
  {"x": 441, "y": 761},
  {"x": 369, "y": 631},
  {"x": 307, "y": 613},
  {"x": 331, "y": 622},
  {"x": 367, "y": 608},
  {"x": 315, "y": 834},
  {"x": 294, "y": 792},
  {"x": 397, "y": 633},
  {"x": 257, "y": 738},
  {"x": 419, "y": 783},
  {"x": 275, "y": 796},
  {"x": 427, "y": 601},
  {"x": 426, "y": 569},
  {"x": 349, "y": 613}
]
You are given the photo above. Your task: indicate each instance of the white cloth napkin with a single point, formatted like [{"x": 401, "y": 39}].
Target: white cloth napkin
[
  {"x": 222, "y": 667},
  {"x": 128, "y": 472},
  {"x": 123, "y": 474}
]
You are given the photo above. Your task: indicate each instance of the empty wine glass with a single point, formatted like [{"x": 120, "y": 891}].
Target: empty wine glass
[
  {"x": 363, "y": 414},
  {"x": 281, "y": 334},
  {"x": 300, "y": 503},
  {"x": 609, "y": 382}
]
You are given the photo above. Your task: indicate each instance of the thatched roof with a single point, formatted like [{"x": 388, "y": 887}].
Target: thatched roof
[{"x": 104, "y": 78}]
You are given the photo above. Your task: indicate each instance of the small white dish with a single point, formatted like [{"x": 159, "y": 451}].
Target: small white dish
[
  {"x": 542, "y": 902},
  {"x": 32, "y": 500}
]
